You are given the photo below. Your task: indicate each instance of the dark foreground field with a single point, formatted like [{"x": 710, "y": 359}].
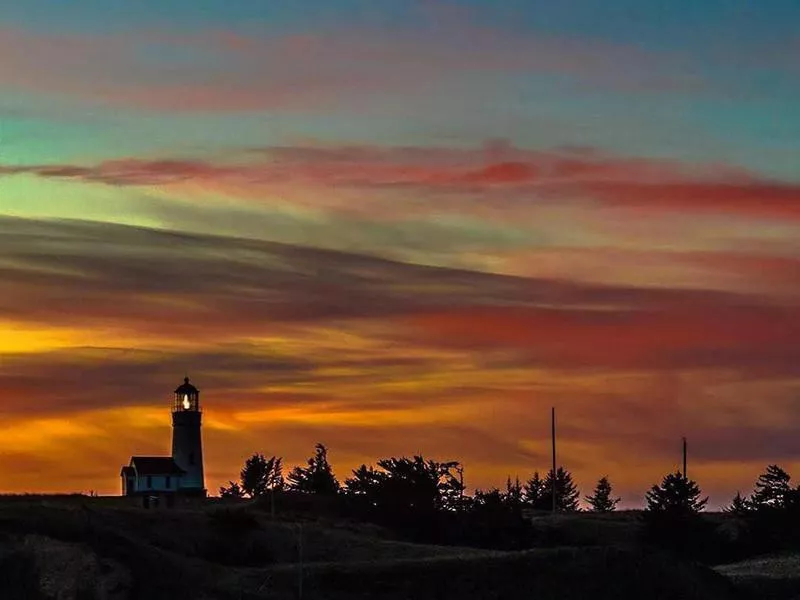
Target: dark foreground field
[{"x": 95, "y": 549}]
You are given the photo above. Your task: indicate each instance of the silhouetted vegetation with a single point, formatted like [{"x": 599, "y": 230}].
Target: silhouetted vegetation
[
  {"x": 677, "y": 495},
  {"x": 408, "y": 494},
  {"x": 317, "y": 477},
  {"x": 772, "y": 489},
  {"x": 770, "y": 518},
  {"x": 602, "y": 500},
  {"x": 395, "y": 504},
  {"x": 673, "y": 522},
  {"x": 258, "y": 475},
  {"x": 407, "y": 484},
  {"x": 739, "y": 506},
  {"x": 494, "y": 520},
  {"x": 566, "y": 491},
  {"x": 537, "y": 493},
  {"x": 425, "y": 500},
  {"x": 232, "y": 490}
]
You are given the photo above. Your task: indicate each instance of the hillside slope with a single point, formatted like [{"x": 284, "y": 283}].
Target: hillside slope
[{"x": 84, "y": 550}]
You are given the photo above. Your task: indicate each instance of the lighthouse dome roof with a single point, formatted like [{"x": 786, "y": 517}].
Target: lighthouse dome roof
[{"x": 186, "y": 388}]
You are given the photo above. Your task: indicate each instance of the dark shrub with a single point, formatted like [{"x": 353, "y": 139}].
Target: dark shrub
[{"x": 689, "y": 536}]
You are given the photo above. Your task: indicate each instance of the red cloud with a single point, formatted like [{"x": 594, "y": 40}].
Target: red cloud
[
  {"x": 753, "y": 198},
  {"x": 676, "y": 336},
  {"x": 520, "y": 176}
]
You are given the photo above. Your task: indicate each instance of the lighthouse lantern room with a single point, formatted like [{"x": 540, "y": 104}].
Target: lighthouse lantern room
[{"x": 187, "y": 397}]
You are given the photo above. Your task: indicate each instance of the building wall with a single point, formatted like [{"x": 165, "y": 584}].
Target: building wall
[
  {"x": 157, "y": 483},
  {"x": 187, "y": 447}
]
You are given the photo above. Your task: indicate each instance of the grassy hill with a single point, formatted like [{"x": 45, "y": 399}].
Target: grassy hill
[
  {"x": 92, "y": 548},
  {"x": 767, "y": 578}
]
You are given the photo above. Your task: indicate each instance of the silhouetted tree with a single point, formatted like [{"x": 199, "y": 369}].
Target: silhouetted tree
[
  {"x": 408, "y": 483},
  {"x": 601, "y": 500},
  {"x": 513, "y": 495},
  {"x": 416, "y": 482},
  {"x": 567, "y": 493},
  {"x": 364, "y": 482},
  {"x": 495, "y": 519},
  {"x": 739, "y": 506},
  {"x": 791, "y": 501},
  {"x": 773, "y": 520},
  {"x": 676, "y": 495},
  {"x": 451, "y": 485},
  {"x": 772, "y": 488},
  {"x": 672, "y": 520},
  {"x": 535, "y": 495},
  {"x": 260, "y": 474},
  {"x": 317, "y": 477},
  {"x": 492, "y": 498},
  {"x": 232, "y": 490}
]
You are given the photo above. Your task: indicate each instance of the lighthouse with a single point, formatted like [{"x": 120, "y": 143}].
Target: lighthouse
[
  {"x": 187, "y": 439},
  {"x": 180, "y": 474}
]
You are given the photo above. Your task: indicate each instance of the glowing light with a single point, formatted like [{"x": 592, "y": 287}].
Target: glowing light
[{"x": 186, "y": 405}]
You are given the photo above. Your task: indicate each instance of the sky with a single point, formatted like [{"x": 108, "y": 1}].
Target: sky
[{"x": 401, "y": 227}]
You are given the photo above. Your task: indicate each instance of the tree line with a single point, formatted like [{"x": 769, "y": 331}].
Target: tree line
[
  {"x": 417, "y": 481},
  {"x": 426, "y": 500}
]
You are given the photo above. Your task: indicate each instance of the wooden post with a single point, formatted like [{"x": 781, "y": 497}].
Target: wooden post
[
  {"x": 461, "y": 486},
  {"x": 553, "y": 438},
  {"x": 685, "y": 475}
]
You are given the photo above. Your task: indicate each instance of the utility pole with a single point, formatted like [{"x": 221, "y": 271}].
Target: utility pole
[
  {"x": 460, "y": 470},
  {"x": 553, "y": 438},
  {"x": 685, "y": 475}
]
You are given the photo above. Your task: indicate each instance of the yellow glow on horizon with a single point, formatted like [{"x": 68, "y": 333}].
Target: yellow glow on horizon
[
  {"x": 18, "y": 339},
  {"x": 41, "y": 433}
]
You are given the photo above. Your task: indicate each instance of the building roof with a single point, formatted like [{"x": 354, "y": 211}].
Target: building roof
[
  {"x": 155, "y": 465},
  {"x": 127, "y": 472},
  {"x": 186, "y": 388}
]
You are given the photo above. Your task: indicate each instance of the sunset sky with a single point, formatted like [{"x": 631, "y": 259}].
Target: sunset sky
[{"x": 398, "y": 227}]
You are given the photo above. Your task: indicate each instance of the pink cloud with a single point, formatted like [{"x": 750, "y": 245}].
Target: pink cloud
[
  {"x": 233, "y": 71},
  {"x": 460, "y": 179}
]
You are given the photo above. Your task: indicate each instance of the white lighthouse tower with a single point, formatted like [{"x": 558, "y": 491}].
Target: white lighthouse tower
[{"x": 187, "y": 440}]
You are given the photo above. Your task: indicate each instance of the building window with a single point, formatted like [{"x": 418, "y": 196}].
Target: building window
[
  {"x": 149, "y": 481},
  {"x": 169, "y": 482}
]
